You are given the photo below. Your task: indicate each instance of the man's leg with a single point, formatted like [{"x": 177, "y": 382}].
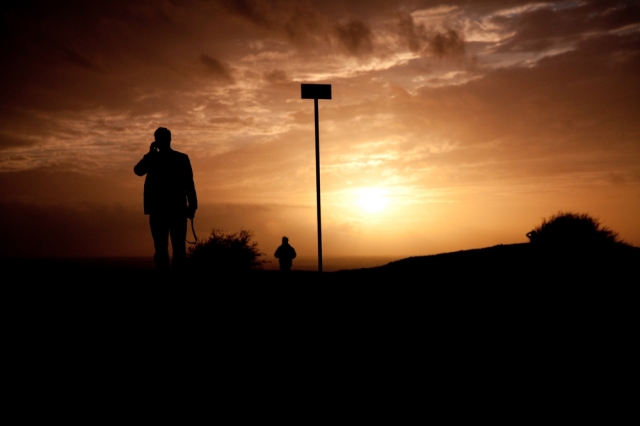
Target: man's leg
[
  {"x": 160, "y": 233},
  {"x": 285, "y": 265},
  {"x": 178, "y": 233}
]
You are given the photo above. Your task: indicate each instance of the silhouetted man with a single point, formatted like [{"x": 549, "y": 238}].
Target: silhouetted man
[
  {"x": 285, "y": 255},
  {"x": 169, "y": 198}
]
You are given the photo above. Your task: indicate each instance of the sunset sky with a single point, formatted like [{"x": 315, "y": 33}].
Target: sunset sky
[{"x": 453, "y": 125}]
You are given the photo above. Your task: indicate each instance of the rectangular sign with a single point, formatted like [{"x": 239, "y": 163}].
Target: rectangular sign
[{"x": 316, "y": 91}]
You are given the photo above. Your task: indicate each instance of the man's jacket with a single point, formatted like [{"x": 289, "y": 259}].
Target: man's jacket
[
  {"x": 168, "y": 187},
  {"x": 285, "y": 252}
]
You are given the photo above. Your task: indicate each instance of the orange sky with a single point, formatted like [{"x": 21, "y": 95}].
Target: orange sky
[{"x": 453, "y": 125}]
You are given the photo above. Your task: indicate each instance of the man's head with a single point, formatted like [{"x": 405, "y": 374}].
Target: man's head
[
  {"x": 285, "y": 240},
  {"x": 163, "y": 137}
]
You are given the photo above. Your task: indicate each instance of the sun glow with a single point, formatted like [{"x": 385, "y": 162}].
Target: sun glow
[{"x": 372, "y": 200}]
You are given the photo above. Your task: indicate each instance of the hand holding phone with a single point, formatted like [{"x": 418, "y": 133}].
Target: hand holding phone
[{"x": 153, "y": 147}]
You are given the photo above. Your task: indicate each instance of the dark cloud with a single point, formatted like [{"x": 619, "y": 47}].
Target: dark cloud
[
  {"x": 303, "y": 24},
  {"x": 57, "y": 230},
  {"x": 216, "y": 68},
  {"x": 550, "y": 26},
  {"x": 575, "y": 103},
  {"x": 276, "y": 76},
  {"x": 413, "y": 35},
  {"x": 618, "y": 179},
  {"x": 51, "y": 184},
  {"x": 141, "y": 50},
  {"x": 12, "y": 141},
  {"x": 255, "y": 11},
  {"x": 356, "y": 37},
  {"x": 295, "y": 21},
  {"x": 77, "y": 59},
  {"x": 417, "y": 38},
  {"x": 446, "y": 43}
]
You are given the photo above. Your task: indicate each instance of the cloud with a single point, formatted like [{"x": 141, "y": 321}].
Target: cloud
[
  {"x": 216, "y": 68},
  {"x": 446, "y": 43},
  {"x": 81, "y": 230},
  {"x": 13, "y": 141},
  {"x": 275, "y": 76},
  {"x": 303, "y": 25},
  {"x": 77, "y": 59},
  {"x": 254, "y": 11},
  {"x": 413, "y": 35},
  {"x": 552, "y": 26},
  {"x": 419, "y": 39},
  {"x": 356, "y": 37},
  {"x": 526, "y": 114}
]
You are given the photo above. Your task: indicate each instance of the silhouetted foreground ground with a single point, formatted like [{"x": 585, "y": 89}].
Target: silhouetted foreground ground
[
  {"x": 515, "y": 264},
  {"x": 501, "y": 282},
  {"x": 463, "y": 324},
  {"x": 520, "y": 271}
]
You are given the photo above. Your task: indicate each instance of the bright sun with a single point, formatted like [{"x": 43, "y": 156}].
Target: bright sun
[{"x": 372, "y": 200}]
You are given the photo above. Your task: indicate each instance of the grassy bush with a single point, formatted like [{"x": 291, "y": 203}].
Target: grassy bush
[
  {"x": 225, "y": 251},
  {"x": 579, "y": 230}
]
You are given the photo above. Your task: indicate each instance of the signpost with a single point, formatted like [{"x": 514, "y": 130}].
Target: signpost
[{"x": 315, "y": 92}]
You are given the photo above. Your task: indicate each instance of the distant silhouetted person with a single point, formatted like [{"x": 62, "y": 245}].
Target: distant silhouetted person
[
  {"x": 169, "y": 198},
  {"x": 285, "y": 255}
]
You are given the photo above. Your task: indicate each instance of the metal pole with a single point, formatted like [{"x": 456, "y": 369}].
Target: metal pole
[
  {"x": 315, "y": 92},
  {"x": 315, "y": 106}
]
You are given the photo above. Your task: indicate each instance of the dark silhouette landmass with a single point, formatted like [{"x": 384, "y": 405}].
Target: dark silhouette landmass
[
  {"x": 509, "y": 312},
  {"x": 512, "y": 264},
  {"x": 514, "y": 297},
  {"x": 516, "y": 264}
]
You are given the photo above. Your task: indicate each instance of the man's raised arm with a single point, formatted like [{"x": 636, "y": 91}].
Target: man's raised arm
[{"x": 142, "y": 167}]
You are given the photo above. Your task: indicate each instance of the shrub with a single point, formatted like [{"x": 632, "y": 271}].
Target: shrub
[
  {"x": 573, "y": 229},
  {"x": 226, "y": 251}
]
